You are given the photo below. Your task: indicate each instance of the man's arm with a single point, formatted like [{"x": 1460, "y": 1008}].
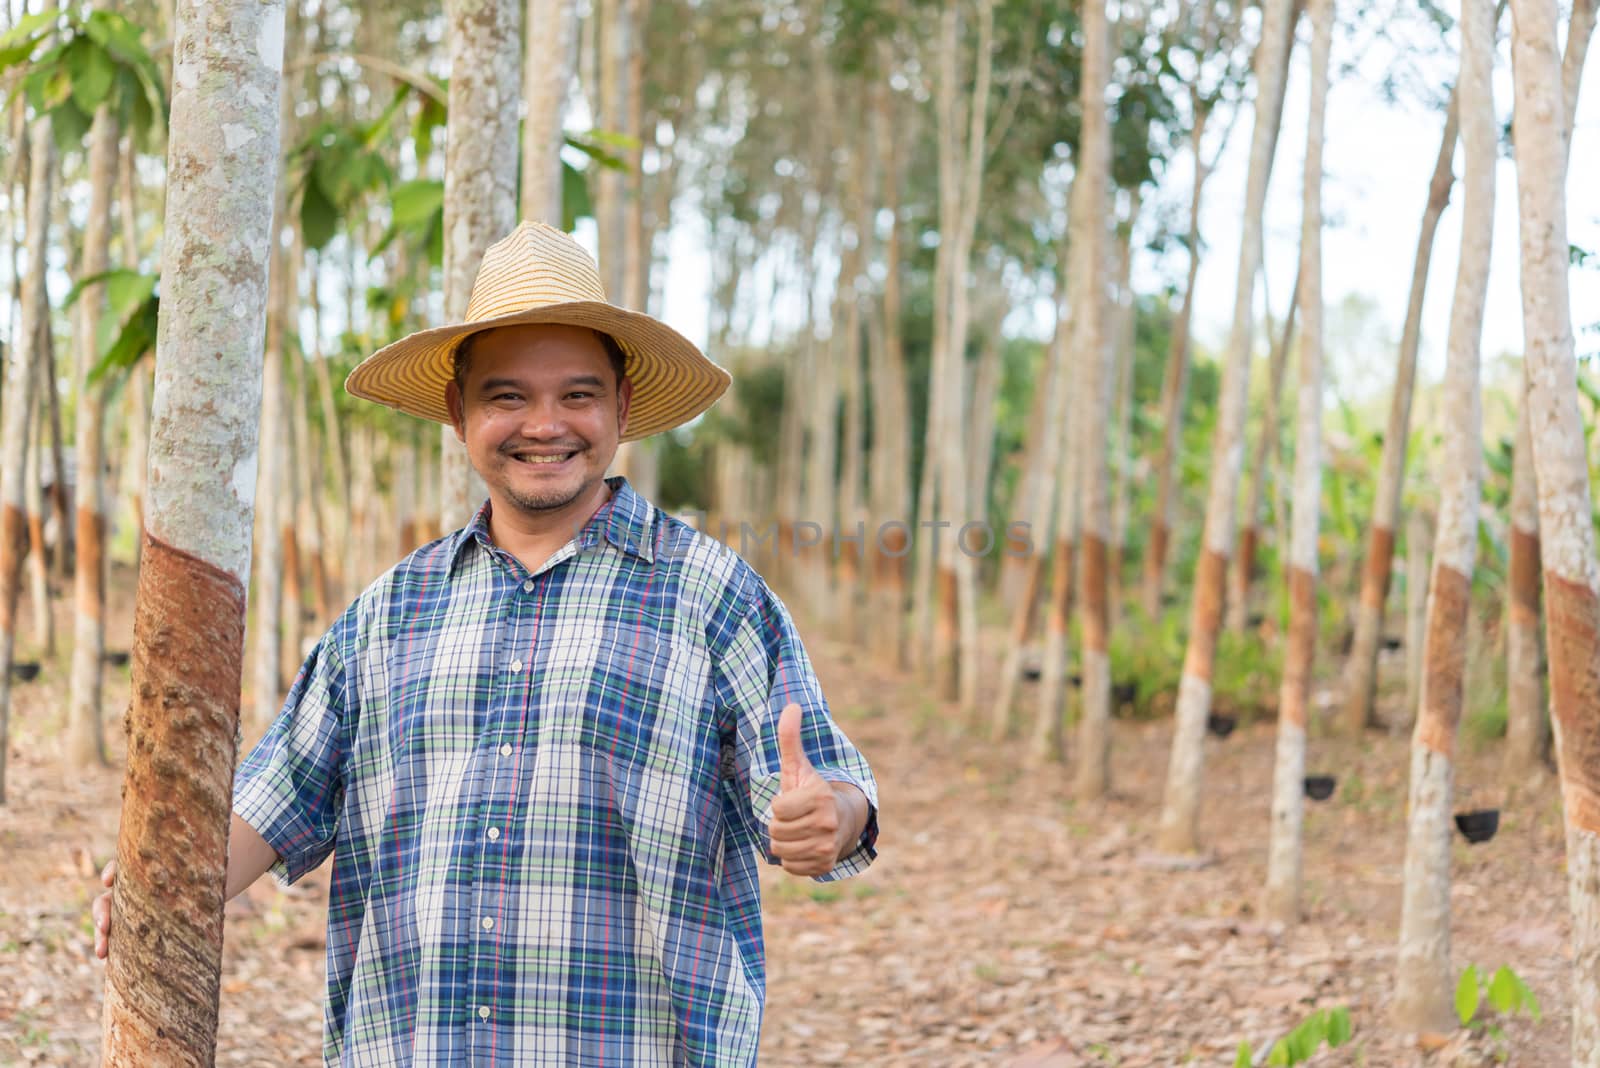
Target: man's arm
[{"x": 249, "y": 857}]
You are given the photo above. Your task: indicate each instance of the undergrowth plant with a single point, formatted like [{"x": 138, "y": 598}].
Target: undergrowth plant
[{"x": 1300, "y": 1045}]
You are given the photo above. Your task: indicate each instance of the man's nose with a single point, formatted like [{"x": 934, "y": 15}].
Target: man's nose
[{"x": 544, "y": 418}]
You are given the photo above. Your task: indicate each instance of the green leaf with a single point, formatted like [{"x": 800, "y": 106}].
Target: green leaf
[
  {"x": 1279, "y": 1057},
  {"x": 319, "y": 219},
  {"x": 1467, "y": 995},
  {"x": 29, "y": 28},
  {"x": 1503, "y": 993},
  {"x": 70, "y": 127},
  {"x": 125, "y": 288},
  {"x": 1530, "y": 1003},
  {"x": 416, "y": 202},
  {"x": 1244, "y": 1056},
  {"x": 575, "y": 200},
  {"x": 1339, "y": 1029},
  {"x": 138, "y": 337},
  {"x": 92, "y": 73}
]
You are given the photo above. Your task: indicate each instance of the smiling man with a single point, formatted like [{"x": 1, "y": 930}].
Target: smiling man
[{"x": 548, "y": 750}]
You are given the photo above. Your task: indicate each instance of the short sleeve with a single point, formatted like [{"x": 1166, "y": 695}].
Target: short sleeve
[
  {"x": 291, "y": 786},
  {"x": 760, "y": 667}
]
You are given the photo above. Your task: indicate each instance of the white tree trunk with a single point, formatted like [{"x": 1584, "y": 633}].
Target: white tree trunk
[
  {"x": 189, "y": 621},
  {"x": 1180, "y": 814},
  {"x": 547, "y": 71},
  {"x": 1571, "y": 577},
  {"x": 86, "y": 735},
  {"x": 21, "y": 373},
  {"x": 1090, "y": 211},
  {"x": 1284, "y": 859},
  {"x": 1424, "y": 978},
  {"x": 480, "y": 191}
]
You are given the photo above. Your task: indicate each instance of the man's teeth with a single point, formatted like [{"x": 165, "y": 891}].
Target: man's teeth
[{"x": 545, "y": 459}]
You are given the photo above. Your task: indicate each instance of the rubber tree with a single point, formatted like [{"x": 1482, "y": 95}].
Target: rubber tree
[
  {"x": 1284, "y": 857},
  {"x": 1425, "y": 985},
  {"x": 1571, "y": 573},
  {"x": 21, "y": 373},
  {"x": 1361, "y": 670},
  {"x": 480, "y": 193},
  {"x": 85, "y": 730},
  {"x": 164, "y": 972},
  {"x": 1527, "y": 729},
  {"x": 1181, "y": 806},
  {"x": 1092, "y": 206}
]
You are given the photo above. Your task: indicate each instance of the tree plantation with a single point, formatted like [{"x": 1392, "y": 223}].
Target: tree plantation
[{"x": 1171, "y": 428}]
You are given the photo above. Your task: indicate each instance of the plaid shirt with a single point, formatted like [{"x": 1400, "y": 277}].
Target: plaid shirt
[{"x": 546, "y": 794}]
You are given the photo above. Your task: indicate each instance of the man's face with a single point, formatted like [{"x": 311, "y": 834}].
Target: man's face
[{"x": 540, "y": 412}]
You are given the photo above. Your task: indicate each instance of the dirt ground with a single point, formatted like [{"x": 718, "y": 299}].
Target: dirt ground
[{"x": 1002, "y": 924}]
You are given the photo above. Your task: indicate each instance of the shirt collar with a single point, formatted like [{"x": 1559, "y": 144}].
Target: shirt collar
[{"x": 626, "y": 521}]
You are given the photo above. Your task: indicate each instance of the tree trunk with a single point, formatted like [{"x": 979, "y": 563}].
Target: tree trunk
[
  {"x": 1361, "y": 671},
  {"x": 1424, "y": 986},
  {"x": 480, "y": 193},
  {"x": 1180, "y": 816},
  {"x": 1124, "y": 350},
  {"x": 1571, "y": 577},
  {"x": 1419, "y": 543},
  {"x": 1048, "y": 739},
  {"x": 1527, "y": 730},
  {"x": 1268, "y": 444},
  {"x": 889, "y": 473},
  {"x": 34, "y": 503},
  {"x": 138, "y": 386},
  {"x": 21, "y": 371},
  {"x": 1091, "y": 209},
  {"x": 85, "y": 731},
  {"x": 1282, "y": 896},
  {"x": 163, "y": 975},
  {"x": 547, "y": 71},
  {"x": 1035, "y": 500}
]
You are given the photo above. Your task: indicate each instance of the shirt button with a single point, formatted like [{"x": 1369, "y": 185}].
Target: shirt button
[
  {"x": 527, "y": 587},
  {"x": 494, "y": 832},
  {"x": 483, "y": 1012},
  {"x": 505, "y": 750},
  {"x": 488, "y": 923},
  {"x": 516, "y": 666}
]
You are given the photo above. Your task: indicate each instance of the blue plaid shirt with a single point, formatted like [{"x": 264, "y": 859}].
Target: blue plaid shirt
[{"x": 547, "y": 796}]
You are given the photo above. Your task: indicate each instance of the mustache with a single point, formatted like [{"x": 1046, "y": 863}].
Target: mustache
[{"x": 510, "y": 448}]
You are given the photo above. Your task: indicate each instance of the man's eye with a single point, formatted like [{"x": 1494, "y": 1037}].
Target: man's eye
[{"x": 580, "y": 395}]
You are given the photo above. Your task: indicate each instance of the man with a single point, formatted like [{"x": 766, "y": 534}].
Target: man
[{"x": 546, "y": 749}]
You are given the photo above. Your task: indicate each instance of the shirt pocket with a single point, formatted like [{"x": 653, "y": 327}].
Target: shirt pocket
[{"x": 617, "y": 699}]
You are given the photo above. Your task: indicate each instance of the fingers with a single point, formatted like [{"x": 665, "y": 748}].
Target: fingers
[
  {"x": 109, "y": 874},
  {"x": 792, "y": 759},
  {"x": 102, "y": 924}
]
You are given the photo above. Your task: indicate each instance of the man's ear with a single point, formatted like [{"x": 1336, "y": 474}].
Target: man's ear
[
  {"x": 458, "y": 410},
  {"x": 624, "y": 402}
]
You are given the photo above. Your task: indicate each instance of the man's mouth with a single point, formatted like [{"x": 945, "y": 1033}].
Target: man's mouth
[{"x": 543, "y": 459}]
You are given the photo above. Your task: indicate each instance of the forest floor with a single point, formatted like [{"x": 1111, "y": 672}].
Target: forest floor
[{"x": 1002, "y": 923}]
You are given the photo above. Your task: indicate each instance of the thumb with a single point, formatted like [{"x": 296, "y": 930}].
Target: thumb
[{"x": 791, "y": 753}]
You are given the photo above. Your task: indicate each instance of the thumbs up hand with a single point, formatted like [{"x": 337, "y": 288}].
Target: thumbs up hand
[{"x": 806, "y": 821}]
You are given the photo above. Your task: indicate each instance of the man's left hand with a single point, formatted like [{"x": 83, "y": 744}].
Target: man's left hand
[{"x": 813, "y": 823}]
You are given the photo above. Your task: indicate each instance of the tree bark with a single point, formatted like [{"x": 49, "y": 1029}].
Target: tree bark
[
  {"x": 1124, "y": 352},
  {"x": 1527, "y": 729},
  {"x": 85, "y": 731},
  {"x": 480, "y": 195},
  {"x": 547, "y": 71},
  {"x": 1424, "y": 977},
  {"x": 1180, "y": 814},
  {"x": 163, "y": 975},
  {"x": 1361, "y": 674},
  {"x": 21, "y": 372},
  {"x": 1090, "y": 211},
  {"x": 1571, "y": 576},
  {"x": 1284, "y": 858},
  {"x": 1419, "y": 545}
]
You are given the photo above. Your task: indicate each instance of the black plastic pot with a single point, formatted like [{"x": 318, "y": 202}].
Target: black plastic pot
[
  {"x": 25, "y": 670},
  {"x": 1479, "y": 825},
  {"x": 1320, "y": 787},
  {"x": 1221, "y": 725},
  {"x": 117, "y": 657}
]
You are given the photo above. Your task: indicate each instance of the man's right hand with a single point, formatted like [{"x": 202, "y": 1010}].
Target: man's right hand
[{"x": 102, "y": 912}]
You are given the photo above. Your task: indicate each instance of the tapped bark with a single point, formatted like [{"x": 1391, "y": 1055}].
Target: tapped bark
[
  {"x": 1527, "y": 729},
  {"x": 163, "y": 974},
  {"x": 1180, "y": 814},
  {"x": 1361, "y": 671},
  {"x": 1424, "y": 975}
]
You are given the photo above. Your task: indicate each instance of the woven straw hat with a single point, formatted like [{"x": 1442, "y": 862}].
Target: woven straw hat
[{"x": 540, "y": 275}]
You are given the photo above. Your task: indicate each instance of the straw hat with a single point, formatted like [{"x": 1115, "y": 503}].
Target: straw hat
[{"x": 540, "y": 275}]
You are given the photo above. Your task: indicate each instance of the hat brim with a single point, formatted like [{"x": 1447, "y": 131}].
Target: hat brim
[{"x": 673, "y": 381}]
